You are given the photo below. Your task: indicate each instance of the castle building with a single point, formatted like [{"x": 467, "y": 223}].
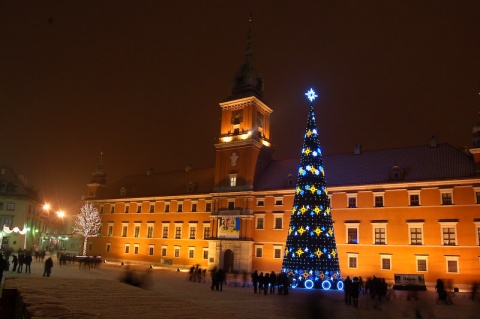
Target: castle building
[{"x": 411, "y": 210}]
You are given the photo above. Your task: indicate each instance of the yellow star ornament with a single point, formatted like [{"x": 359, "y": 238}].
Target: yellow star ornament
[
  {"x": 333, "y": 253},
  {"x": 313, "y": 189},
  {"x": 317, "y": 210},
  {"x": 290, "y": 230},
  {"x": 303, "y": 209},
  {"x": 299, "y": 252},
  {"x": 307, "y": 151},
  {"x": 301, "y": 230},
  {"x": 318, "y": 231},
  {"x": 318, "y": 253}
]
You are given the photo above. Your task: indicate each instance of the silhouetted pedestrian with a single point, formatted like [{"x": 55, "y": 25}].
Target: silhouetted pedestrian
[{"x": 48, "y": 267}]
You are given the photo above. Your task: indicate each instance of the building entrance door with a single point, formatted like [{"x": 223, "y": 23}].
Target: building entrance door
[{"x": 228, "y": 261}]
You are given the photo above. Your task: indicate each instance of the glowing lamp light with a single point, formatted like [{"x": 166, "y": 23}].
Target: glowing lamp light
[
  {"x": 226, "y": 139},
  {"x": 46, "y": 207},
  {"x": 308, "y": 284},
  {"x": 265, "y": 143},
  {"x": 326, "y": 285},
  {"x": 340, "y": 285}
]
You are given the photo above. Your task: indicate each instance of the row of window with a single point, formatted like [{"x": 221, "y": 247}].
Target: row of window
[
  {"x": 192, "y": 234},
  {"x": 421, "y": 262},
  {"x": 194, "y": 208},
  {"x": 448, "y": 230},
  {"x": 163, "y": 251},
  {"x": 8, "y": 206},
  {"x": 414, "y": 199}
]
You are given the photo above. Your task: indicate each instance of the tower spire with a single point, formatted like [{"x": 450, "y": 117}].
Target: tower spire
[{"x": 247, "y": 82}]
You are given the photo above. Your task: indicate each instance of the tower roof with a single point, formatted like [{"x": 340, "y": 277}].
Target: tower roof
[{"x": 247, "y": 81}]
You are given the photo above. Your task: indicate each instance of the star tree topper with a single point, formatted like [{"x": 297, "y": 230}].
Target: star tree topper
[{"x": 311, "y": 95}]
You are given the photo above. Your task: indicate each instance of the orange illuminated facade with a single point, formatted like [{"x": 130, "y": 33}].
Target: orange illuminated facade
[{"x": 413, "y": 210}]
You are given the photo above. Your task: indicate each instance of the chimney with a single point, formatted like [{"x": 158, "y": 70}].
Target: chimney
[
  {"x": 433, "y": 141},
  {"x": 357, "y": 150}
]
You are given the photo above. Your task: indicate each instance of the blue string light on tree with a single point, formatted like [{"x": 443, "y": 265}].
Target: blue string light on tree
[{"x": 310, "y": 254}]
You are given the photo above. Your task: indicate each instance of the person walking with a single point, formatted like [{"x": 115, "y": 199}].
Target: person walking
[
  {"x": 255, "y": 281},
  {"x": 214, "y": 278},
  {"x": 220, "y": 279},
  {"x": 3, "y": 266},
  {"x": 440, "y": 289},
  {"x": 347, "y": 290},
  {"x": 28, "y": 263},
  {"x": 15, "y": 263},
  {"x": 355, "y": 291},
  {"x": 48, "y": 267},
  {"x": 21, "y": 261}
]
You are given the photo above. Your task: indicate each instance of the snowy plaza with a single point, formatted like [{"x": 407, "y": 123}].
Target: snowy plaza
[{"x": 98, "y": 293}]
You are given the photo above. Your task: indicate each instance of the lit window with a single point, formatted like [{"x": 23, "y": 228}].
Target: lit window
[
  {"x": 127, "y": 248},
  {"x": 206, "y": 231},
  {"x": 165, "y": 231},
  {"x": 259, "y": 224},
  {"x": 422, "y": 262},
  {"x": 176, "y": 252},
  {"x": 386, "y": 262},
  {"x": 110, "y": 230},
  {"x": 352, "y": 260},
  {"x": 378, "y": 201},
  {"x": 193, "y": 232},
  {"x": 164, "y": 251},
  {"x": 124, "y": 230},
  {"x": 380, "y": 235},
  {"x": 178, "y": 232},
  {"x": 233, "y": 180},
  {"x": 415, "y": 200},
  {"x": 150, "y": 231},
  {"x": 352, "y": 232},
  {"x": 258, "y": 251},
  {"x": 277, "y": 252},
  {"x": 278, "y": 222},
  {"x": 415, "y": 232},
  {"x": 449, "y": 232},
  {"x": 452, "y": 264},
  {"x": 279, "y": 201},
  {"x": 10, "y": 206},
  {"x": 137, "y": 231},
  {"x": 191, "y": 252},
  {"x": 352, "y": 201},
  {"x": 447, "y": 198}
]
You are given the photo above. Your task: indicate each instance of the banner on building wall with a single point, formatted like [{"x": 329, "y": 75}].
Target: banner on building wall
[
  {"x": 229, "y": 227},
  {"x": 409, "y": 282}
]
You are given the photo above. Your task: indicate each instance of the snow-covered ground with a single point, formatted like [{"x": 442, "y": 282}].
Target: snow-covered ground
[{"x": 98, "y": 293}]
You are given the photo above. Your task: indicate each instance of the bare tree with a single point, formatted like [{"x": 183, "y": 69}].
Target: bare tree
[{"x": 87, "y": 224}]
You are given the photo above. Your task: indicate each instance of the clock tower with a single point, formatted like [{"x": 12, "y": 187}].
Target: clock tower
[{"x": 243, "y": 150}]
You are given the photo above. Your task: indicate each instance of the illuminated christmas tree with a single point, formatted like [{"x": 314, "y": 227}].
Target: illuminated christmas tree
[
  {"x": 87, "y": 224},
  {"x": 311, "y": 255}
]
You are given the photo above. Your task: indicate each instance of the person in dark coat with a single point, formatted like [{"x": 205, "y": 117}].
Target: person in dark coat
[
  {"x": 28, "y": 263},
  {"x": 355, "y": 291},
  {"x": 255, "y": 281},
  {"x": 273, "y": 282},
  {"x": 442, "y": 294},
  {"x": 347, "y": 287},
  {"x": 48, "y": 267},
  {"x": 214, "y": 278},
  {"x": 3, "y": 266},
  {"x": 220, "y": 279},
  {"x": 266, "y": 281},
  {"x": 21, "y": 261},
  {"x": 14, "y": 262}
]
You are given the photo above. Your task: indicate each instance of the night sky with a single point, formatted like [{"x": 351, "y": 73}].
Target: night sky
[{"x": 142, "y": 80}]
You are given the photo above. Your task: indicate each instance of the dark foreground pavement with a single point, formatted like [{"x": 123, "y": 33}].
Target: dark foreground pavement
[{"x": 98, "y": 293}]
